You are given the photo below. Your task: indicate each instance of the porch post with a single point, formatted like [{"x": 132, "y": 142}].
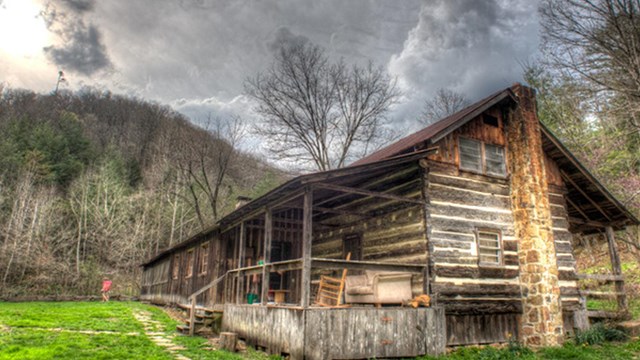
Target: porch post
[
  {"x": 617, "y": 269},
  {"x": 241, "y": 249},
  {"x": 268, "y": 235},
  {"x": 307, "y": 235}
]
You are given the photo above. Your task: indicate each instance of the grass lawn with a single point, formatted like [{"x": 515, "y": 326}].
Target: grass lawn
[{"x": 93, "y": 330}]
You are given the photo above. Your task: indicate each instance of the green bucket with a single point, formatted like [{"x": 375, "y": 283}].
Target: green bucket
[{"x": 252, "y": 298}]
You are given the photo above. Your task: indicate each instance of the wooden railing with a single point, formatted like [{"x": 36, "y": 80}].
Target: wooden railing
[
  {"x": 192, "y": 299},
  {"x": 618, "y": 294}
]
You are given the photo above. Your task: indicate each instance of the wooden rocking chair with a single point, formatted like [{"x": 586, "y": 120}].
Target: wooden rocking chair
[{"x": 330, "y": 289}]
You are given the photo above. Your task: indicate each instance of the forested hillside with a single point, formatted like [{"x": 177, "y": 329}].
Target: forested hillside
[{"x": 92, "y": 183}]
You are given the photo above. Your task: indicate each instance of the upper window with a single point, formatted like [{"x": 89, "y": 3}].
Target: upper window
[
  {"x": 176, "y": 266},
  {"x": 482, "y": 158},
  {"x": 189, "y": 263},
  {"x": 489, "y": 247},
  {"x": 204, "y": 259}
]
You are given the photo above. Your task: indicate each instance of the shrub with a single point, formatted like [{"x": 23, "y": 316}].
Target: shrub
[{"x": 598, "y": 334}]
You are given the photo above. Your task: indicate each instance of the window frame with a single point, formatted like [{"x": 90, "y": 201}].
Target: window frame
[
  {"x": 190, "y": 263},
  {"x": 175, "y": 272},
  {"x": 500, "y": 249},
  {"x": 204, "y": 259},
  {"x": 483, "y": 158}
]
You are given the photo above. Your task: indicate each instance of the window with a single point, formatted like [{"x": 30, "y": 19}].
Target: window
[
  {"x": 470, "y": 155},
  {"x": 204, "y": 259},
  {"x": 489, "y": 246},
  {"x": 176, "y": 266},
  {"x": 482, "y": 158},
  {"x": 189, "y": 263},
  {"x": 490, "y": 120},
  {"x": 352, "y": 243}
]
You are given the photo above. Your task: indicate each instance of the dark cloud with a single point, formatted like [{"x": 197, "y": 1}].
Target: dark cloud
[
  {"x": 82, "y": 50},
  {"x": 79, "y": 6},
  {"x": 283, "y": 37},
  {"x": 472, "y": 47},
  {"x": 80, "y": 47}
]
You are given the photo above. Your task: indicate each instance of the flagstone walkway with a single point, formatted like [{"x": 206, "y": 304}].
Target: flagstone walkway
[{"x": 155, "y": 331}]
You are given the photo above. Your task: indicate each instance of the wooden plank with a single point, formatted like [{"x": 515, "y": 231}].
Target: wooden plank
[
  {"x": 600, "y": 277},
  {"x": 268, "y": 235},
  {"x": 352, "y": 190},
  {"x": 335, "y": 264},
  {"x": 241, "y": 250},
  {"x": 616, "y": 268},
  {"x": 307, "y": 236}
]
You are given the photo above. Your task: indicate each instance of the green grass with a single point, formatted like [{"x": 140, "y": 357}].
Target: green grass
[
  {"x": 53, "y": 331},
  {"x": 40, "y": 330},
  {"x": 613, "y": 350}
]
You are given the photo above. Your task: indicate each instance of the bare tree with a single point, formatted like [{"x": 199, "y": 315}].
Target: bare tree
[
  {"x": 598, "y": 42},
  {"x": 320, "y": 112},
  {"x": 206, "y": 166},
  {"x": 444, "y": 103}
]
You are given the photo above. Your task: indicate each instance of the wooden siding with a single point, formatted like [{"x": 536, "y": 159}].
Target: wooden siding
[
  {"x": 177, "y": 290},
  {"x": 481, "y": 329},
  {"x": 350, "y": 333},
  {"x": 475, "y": 129}
]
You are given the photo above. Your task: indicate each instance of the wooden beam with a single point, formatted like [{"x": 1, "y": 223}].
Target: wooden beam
[
  {"x": 600, "y": 277},
  {"x": 241, "y": 250},
  {"x": 340, "y": 212},
  {"x": 266, "y": 257},
  {"x": 375, "y": 182},
  {"x": 596, "y": 224},
  {"x": 584, "y": 215},
  {"x": 335, "y": 264},
  {"x": 307, "y": 236},
  {"x": 616, "y": 269},
  {"x": 566, "y": 177},
  {"x": 352, "y": 190}
]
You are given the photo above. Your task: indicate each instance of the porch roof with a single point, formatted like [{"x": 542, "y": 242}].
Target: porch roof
[{"x": 349, "y": 176}]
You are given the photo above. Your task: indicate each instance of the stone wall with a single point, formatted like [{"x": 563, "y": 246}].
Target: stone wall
[{"x": 541, "y": 323}]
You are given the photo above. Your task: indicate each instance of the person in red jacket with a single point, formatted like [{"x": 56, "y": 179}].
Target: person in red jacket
[{"x": 106, "y": 287}]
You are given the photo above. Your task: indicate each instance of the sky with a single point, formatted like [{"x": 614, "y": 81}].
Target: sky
[{"x": 195, "y": 55}]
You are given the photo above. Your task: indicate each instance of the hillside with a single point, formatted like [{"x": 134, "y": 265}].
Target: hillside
[{"x": 92, "y": 183}]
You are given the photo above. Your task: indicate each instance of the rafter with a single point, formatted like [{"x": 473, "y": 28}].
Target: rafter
[
  {"x": 351, "y": 190},
  {"x": 567, "y": 178}
]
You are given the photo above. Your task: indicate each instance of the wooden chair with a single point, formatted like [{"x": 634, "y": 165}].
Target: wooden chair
[{"x": 330, "y": 289}]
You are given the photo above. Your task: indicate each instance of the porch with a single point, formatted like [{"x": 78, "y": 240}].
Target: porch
[{"x": 276, "y": 249}]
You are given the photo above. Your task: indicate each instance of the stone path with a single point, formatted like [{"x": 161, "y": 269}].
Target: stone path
[{"x": 155, "y": 331}]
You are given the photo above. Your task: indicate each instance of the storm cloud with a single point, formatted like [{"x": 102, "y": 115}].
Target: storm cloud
[
  {"x": 472, "y": 47},
  {"x": 80, "y": 48},
  {"x": 196, "y": 54}
]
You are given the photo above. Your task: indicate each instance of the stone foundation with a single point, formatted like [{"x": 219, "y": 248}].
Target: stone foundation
[{"x": 542, "y": 311}]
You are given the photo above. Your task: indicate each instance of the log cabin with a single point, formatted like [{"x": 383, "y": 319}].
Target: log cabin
[{"x": 478, "y": 211}]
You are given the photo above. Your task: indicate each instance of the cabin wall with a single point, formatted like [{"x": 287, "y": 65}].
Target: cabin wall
[
  {"x": 160, "y": 285},
  {"x": 562, "y": 237},
  {"x": 475, "y": 296}
]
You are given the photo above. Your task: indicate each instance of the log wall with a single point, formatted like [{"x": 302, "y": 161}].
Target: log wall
[
  {"x": 397, "y": 235},
  {"x": 459, "y": 204}
]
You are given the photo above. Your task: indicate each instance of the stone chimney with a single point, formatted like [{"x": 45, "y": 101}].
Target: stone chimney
[
  {"x": 541, "y": 323},
  {"x": 241, "y": 200}
]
